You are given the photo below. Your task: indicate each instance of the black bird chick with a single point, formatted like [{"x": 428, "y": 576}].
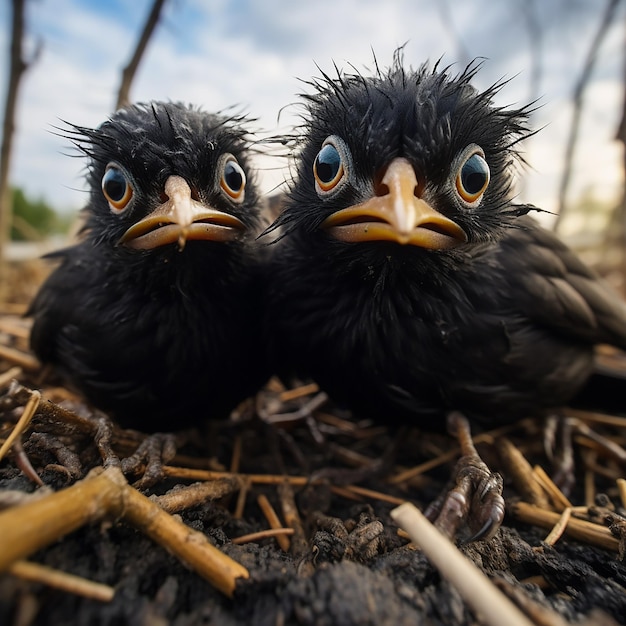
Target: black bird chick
[
  {"x": 155, "y": 314},
  {"x": 405, "y": 280}
]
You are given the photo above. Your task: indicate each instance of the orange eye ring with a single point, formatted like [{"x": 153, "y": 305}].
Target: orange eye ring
[
  {"x": 232, "y": 178},
  {"x": 117, "y": 188},
  {"x": 331, "y": 165},
  {"x": 472, "y": 176}
]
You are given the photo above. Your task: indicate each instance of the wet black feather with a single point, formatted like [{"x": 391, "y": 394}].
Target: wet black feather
[
  {"x": 500, "y": 327},
  {"x": 165, "y": 337}
]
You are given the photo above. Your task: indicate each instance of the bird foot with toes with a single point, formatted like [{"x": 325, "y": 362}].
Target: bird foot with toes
[{"x": 474, "y": 495}]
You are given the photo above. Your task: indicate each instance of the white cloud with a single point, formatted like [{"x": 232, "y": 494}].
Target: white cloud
[{"x": 250, "y": 54}]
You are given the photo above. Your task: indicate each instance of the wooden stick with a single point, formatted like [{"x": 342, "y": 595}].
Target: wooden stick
[
  {"x": 374, "y": 495},
  {"x": 15, "y": 326},
  {"x": 262, "y": 534},
  {"x": 273, "y": 479},
  {"x": 559, "y": 528},
  {"x": 28, "y": 528},
  {"x": 241, "y": 499},
  {"x": 557, "y": 497},
  {"x": 190, "y": 546},
  {"x": 106, "y": 495},
  {"x": 273, "y": 521},
  {"x": 589, "y": 459},
  {"x": 22, "y": 423},
  {"x": 9, "y": 375},
  {"x": 539, "y": 615},
  {"x": 598, "y": 418},
  {"x": 424, "y": 467},
  {"x": 235, "y": 461},
  {"x": 621, "y": 485},
  {"x": 13, "y": 308},
  {"x": 17, "y": 357},
  {"x": 486, "y": 437},
  {"x": 299, "y": 392},
  {"x": 578, "y": 529},
  {"x": 185, "y": 473},
  {"x": 51, "y": 411},
  {"x": 62, "y": 580},
  {"x": 475, "y": 588},
  {"x": 521, "y": 472},
  {"x": 343, "y": 492},
  {"x": 299, "y": 544},
  {"x": 538, "y": 580},
  {"x": 192, "y": 495}
]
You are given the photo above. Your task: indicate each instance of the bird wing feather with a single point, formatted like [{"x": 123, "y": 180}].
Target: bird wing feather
[
  {"x": 553, "y": 287},
  {"x": 53, "y": 304}
]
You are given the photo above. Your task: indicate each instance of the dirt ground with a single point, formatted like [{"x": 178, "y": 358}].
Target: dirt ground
[{"x": 345, "y": 561}]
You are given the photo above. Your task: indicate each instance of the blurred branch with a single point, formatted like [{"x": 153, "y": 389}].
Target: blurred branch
[
  {"x": 535, "y": 34},
  {"x": 579, "y": 90},
  {"x": 616, "y": 232},
  {"x": 448, "y": 21},
  {"x": 528, "y": 10},
  {"x": 18, "y": 66},
  {"x": 128, "y": 75}
]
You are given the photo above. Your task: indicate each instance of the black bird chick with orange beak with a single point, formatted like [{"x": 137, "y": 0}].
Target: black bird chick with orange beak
[
  {"x": 154, "y": 315},
  {"x": 408, "y": 283}
]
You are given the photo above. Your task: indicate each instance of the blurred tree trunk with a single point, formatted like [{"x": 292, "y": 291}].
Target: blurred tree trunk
[
  {"x": 123, "y": 96},
  {"x": 17, "y": 68},
  {"x": 616, "y": 235},
  {"x": 447, "y": 19},
  {"x": 579, "y": 91},
  {"x": 534, "y": 28}
]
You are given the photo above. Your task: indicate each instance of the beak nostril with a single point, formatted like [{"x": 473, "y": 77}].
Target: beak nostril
[
  {"x": 381, "y": 190},
  {"x": 163, "y": 197},
  {"x": 420, "y": 185},
  {"x": 195, "y": 195}
]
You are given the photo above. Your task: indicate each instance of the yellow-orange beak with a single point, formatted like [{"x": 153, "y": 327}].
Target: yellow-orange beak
[
  {"x": 180, "y": 219},
  {"x": 398, "y": 216}
]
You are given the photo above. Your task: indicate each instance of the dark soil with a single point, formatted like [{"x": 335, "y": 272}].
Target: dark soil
[{"x": 350, "y": 570}]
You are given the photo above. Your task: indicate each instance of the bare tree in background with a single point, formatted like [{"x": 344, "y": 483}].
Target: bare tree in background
[
  {"x": 616, "y": 235},
  {"x": 447, "y": 19},
  {"x": 535, "y": 35},
  {"x": 579, "y": 92},
  {"x": 18, "y": 66},
  {"x": 123, "y": 96}
]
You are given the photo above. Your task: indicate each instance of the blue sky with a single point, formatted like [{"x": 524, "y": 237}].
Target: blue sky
[{"x": 252, "y": 54}]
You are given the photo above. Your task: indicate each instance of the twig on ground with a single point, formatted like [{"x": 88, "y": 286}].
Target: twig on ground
[
  {"x": 263, "y": 534},
  {"x": 559, "y": 528},
  {"x": 105, "y": 494},
  {"x": 23, "y": 359},
  {"x": 299, "y": 544},
  {"x": 23, "y": 422},
  {"x": 62, "y": 580},
  {"x": 475, "y": 588},
  {"x": 578, "y": 529},
  {"x": 273, "y": 521},
  {"x": 521, "y": 472},
  {"x": 558, "y": 498},
  {"x": 182, "y": 498}
]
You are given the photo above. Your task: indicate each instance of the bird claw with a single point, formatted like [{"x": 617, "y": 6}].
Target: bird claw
[
  {"x": 103, "y": 438},
  {"x": 558, "y": 437},
  {"x": 474, "y": 496},
  {"x": 559, "y": 447},
  {"x": 353, "y": 540},
  {"x": 152, "y": 454}
]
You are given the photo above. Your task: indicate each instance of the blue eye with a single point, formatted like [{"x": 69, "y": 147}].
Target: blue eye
[
  {"x": 332, "y": 166},
  {"x": 328, "y": 168},
  {"x": 232, "y": 178},
  {"x": 116, "y": 188},
  {"x": 472, "y": 178}
]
